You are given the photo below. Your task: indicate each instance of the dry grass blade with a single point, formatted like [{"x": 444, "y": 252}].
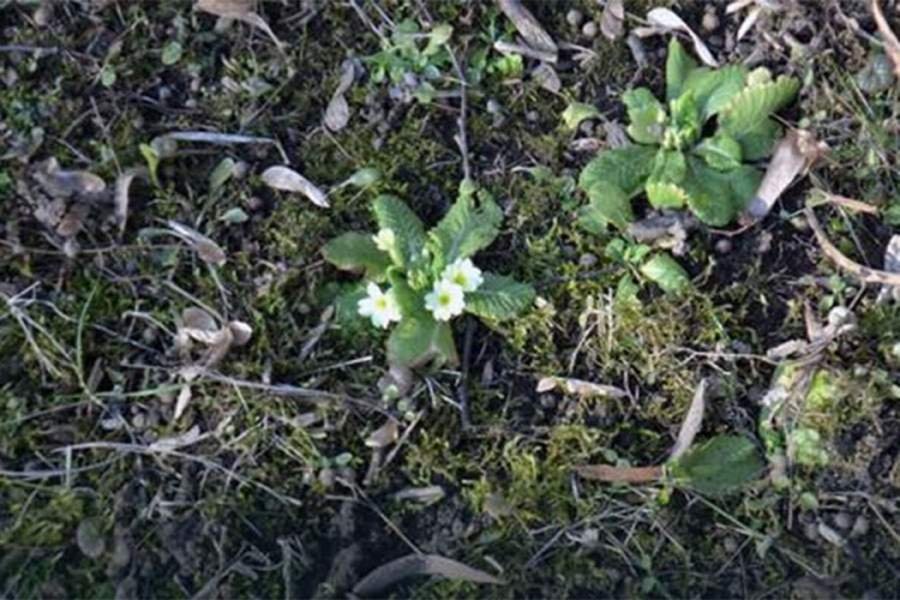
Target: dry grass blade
[
  {"x": 612, "y": 474},
  {"x": 532, "y": 31},
  {"x": 206, "y": 249},
  {"x": 666, "y": 20},
  {"x": 61, "y": 183},
  {"x": 861, "y": 272},
  {"x": 577, "y": 387},
  {"x": 891, "y": 43},
  {"x": 411, "y": 565},
  {"x": 122, "y": 197},
  {"x": 289, "y": 180},
  {"x": 612, "y": 21},
  {"x": 191, "y": 436},
  {"x": 693, "y": 420},
  {"x": 241, "y": 10},
  {"x": 794, "y": 155}
]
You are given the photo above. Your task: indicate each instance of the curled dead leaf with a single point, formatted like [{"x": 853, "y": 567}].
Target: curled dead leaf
[
  {"x": 240, "y": 10},
  {"x": 206, "y": 249},
  {"x": 384, "y": 436},
  {"x": 528, "y": 26},
  {"x": 289, "y": 180},
  {"x": 580, "y": 388},
  {"x": 385, "y": 576},
  {"x": 242, "y": 332},
  {"x": 663, "y": 20},
  {"x": 612, "y": 21},
  {"x": 337, "y": 114},
  {"x": 122, "y": 198},
  {"x": 191, "y": 436},
  {"x": 794, "y": 155},
  {"x": 61, "y": 183},
  {"x": 693, "y": 420}
]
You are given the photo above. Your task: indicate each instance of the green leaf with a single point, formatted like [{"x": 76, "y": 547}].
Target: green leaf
[
  {"x": 665, "y": 272},
  {"x": 411, "y": 302},
  {"x": 721, "y": 152},
  {"x": 499, "y": 298},
  {"x": 409, "y": 233},
  {"x": 685, "y": 121},
  {"x": 715, "y": 197},
  {"x": 358, "y": 253},
  {"x": 666, "y": 195},
  {"x": 626, "y": 168},
  {"x": 759, "y": 142},
  {"x": 577, "y": 112},
  {"x": 171, "y": 53},
  {"x": 468, "y": 227},
  {"x": 646, "y": 114},
  {"x": 608, "y": 206},
  {"x": 420, "y": 340},
  {"x": 439, "y": 36},
  {"x": 720, "y": 466},
  {"x": 669, "y": 166},
  {"x": 748, "y": 110},
  {"x": 151, "y": 157},
  {"x": 713, "y": 90},
  {"x": 679, "y": 66}
]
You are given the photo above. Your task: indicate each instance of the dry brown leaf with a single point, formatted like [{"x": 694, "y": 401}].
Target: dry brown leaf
[
  {"x": 891, "y": 43},
  {"x": 385, "y": 576},
  {"x": 861, "y": 272},
  {"x": 184, "y": 398},
  {"x": 612, "y": 21},
  {"x": 337, "y": 114},
  {"x": 693, "y": 420},
  {"x": 384, "y": 436},
  {"x": 546, "y": 77},
  {"x": 613, "y": 474},
  {"x": 242, "y": 332},
  {"x": 122, "y": 198},
  {"x": 793, "y": 156},
  {"x": 219, "y": 346},
  {"x": 241, "y": 10},
  {"x": 529, "y": 27},
  {"x": 197, "y": 318},
  {"x": 191, "y": 436},
  {"x": 206, "y": 249},
  {"x": 60, "y": 183},
  {"x": 665, "y": 20},
  {"x": 577, "y": 387},
  {"x": 73, "y": 221},
  {"x": 289, "y": 180}
]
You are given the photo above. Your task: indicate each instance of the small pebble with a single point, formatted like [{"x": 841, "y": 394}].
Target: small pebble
[
  {"x": 587, "y": 260},
  {"x": 730, "y": 545},
  {"x": 574, "y": 17},
  {"x": 254, "y": 203},
  {"x": 327, "y": 477},
  {"x": 860, "y": 527},
  {"x": 589, "y": 30},
  {"x": 493, "y": 107},
  {"x": 532, "y": 116},
  {"x": 710, "y": 20},
  {"x": 724, "y": 246},
  {"x": 842, "y": 520}
]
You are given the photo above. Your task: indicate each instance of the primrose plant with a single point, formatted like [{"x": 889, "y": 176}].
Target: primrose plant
[
  {"x": 417, "y": 281},
  {"x": 695, "y": 152}
]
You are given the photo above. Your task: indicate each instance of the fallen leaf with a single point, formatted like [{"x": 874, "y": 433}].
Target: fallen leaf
[
  {"x": 61, "y": 183},
  {"x": 194, "y": 318},
  {"x": 613, "y": 474},
  {"x": 242, "y": 332},
  {"x": 891, "y": 43},
  {"x": 612, "y": 21},
  {"x": 286, "y": 179},
  {"x": 795, "y": 154},
  {"x": 577, "y": 387},
  {"x": 181, "y": 404},
  {"x": 665, "y": 20},
  {"x": 529, "y": 27},
  {"x": 576, "y": 112},
  {"x": 73, "y": 221},
  {"x": 426, "y": 495},
  {"x": 241, "y": 10},
  {"x": 191, "y": 436},
  {"x": 693, "y": 420},
  {"x": 337, "y": 114},
  {"x": 384, "y": 436},
  {"x": 122, "y": 198},
  {"x": 397, "y": 570},
  {"x": 891, "y": 265},
  {"x": 206, "y": 249},
  {"x": 218, "y": 347},
  {"x": 546, "y": 77}
]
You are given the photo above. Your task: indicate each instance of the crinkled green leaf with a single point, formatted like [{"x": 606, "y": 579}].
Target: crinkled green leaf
[
  {"x": 471, "y": 224},
  {"x": 664, "y": 271},
  {"x": 647, "y": 116},
  {"x": 627, "y": 168},
  {"x": 749, "y": 109},
  {"x": 713, "y": 89},
  {"x": 721, "y": 152},
  {"x": 419, "y": 340},
  {"x": 358, "y": 253},
  {"x": 411, "y": 302},
  {"x": 409, "y": 233},
  {"x": 685, "y": 119},
  {"x": 720, "y": 466},
  {"x": 758, "y": 143},
  {"x": 499, "y": 298},
  {"x": 577, "y": 112},
  {"x": 679, "y": 65},
  {"x": 608, "y": 206},
  {"x": 666, "y": 195},
  {"x": 716, "y": 197},
  {"x": 346, "y": 302}
]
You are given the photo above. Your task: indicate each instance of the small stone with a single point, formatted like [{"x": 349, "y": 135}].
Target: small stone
[
  {"x": 493, "y": 107},
  {"x": 587, "y": 260},
  {"x": 860, "y": 527},
  {"x": 254, "y": 203},
  {"x": 724, "y": 246},
  {"x": 730, "y": 545},
  {"x": 842, "y": 520},
  {"x": 532, "y": 116},
  {"x": 327, "y": 478},
  {"x": 574, "y": 17},
  {"x": 589, "y": 30},
  {"x": 710, "y": 20}
]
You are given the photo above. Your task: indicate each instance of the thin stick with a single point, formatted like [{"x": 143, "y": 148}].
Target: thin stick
[
  {"x": 462, "y": 390},
  {"x": 461, "y": 138}
]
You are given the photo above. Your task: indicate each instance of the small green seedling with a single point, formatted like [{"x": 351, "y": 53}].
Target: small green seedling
[
  {"x": 673, "y": 160},
  {"x": 430, "y": 275}
]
